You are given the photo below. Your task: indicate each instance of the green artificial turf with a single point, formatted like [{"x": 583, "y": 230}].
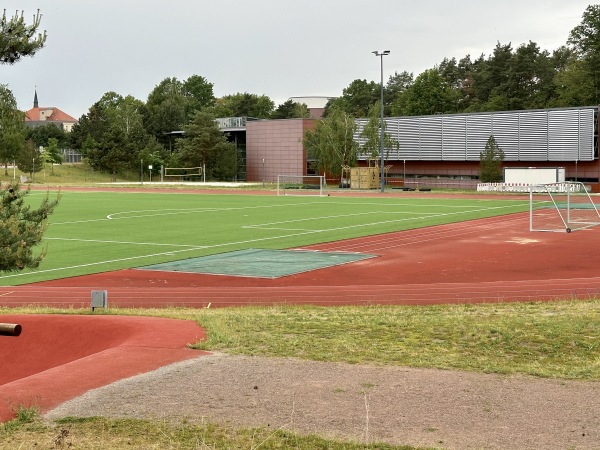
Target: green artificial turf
[{"x": 92, "y": 232}]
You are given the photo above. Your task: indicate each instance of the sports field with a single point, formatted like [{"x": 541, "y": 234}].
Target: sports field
[{"x": 92, "y": 232}]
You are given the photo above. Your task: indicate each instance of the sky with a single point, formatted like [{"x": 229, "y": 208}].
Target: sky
[{"x": 277, "y": 48}]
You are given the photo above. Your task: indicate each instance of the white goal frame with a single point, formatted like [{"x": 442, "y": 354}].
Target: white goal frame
[
  {"x": 183, "y": 172},
  {"x": 566, "y": 206},
  {"x": 310, "y": 185}
]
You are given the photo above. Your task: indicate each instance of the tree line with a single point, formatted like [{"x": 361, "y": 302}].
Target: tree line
[
  {"x": 118, "y": 131},
  {"x": 508, "y": 79},
  {"x": 525, "y": 77}
]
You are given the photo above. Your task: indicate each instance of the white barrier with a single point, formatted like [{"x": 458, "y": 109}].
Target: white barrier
[{"x": 526, "y": 187}]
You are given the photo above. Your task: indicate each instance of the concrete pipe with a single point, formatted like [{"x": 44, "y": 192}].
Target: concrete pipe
[{"x": 10, "y": 329}]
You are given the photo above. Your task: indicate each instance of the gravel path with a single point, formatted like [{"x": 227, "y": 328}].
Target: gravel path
[{"x": 396, "y": 405}]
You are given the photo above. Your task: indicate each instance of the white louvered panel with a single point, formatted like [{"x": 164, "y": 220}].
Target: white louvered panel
[
  {"x": 454, "y": 138},
  {"x": 430, "y": 138},
  {"x": 533, "y": 136},
  {"x": 586, "y": 135},
  {"x": 408, "y": 137},
  {"x": 479, "y": 129},
  {"x": 563, "y": 135},
  {"x": 505, "y": 129}
]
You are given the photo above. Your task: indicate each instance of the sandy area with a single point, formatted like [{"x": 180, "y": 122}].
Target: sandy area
[{"x": 396, "y": 405}]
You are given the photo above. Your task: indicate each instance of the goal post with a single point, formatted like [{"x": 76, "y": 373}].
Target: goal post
[
  {"x": 564, "y": 206},
  {"x": 301, "y": 185}
]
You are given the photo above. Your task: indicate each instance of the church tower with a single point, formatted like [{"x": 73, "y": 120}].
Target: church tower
[{"x": 35, "y": 100}]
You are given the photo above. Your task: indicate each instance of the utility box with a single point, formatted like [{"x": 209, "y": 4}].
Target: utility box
[{"x": 99, "y": 299}]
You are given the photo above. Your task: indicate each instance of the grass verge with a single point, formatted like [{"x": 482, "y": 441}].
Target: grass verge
[
  {"x": 544, "y": 339},
  {"x": 109, "y": 434}
]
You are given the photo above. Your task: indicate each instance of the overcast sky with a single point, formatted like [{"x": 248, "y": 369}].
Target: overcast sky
[{"x": 279, "y": 48}]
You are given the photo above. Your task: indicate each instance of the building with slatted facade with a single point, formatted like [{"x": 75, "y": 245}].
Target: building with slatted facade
[{"x": 444, "y": 150}]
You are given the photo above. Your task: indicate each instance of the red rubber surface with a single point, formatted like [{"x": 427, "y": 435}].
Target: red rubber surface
[
  {"x": 487, "y": 260},
  {"x": 58, "y": 357}
]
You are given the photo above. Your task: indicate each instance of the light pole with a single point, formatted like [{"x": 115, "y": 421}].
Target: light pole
[{"x": 381, "y": 54}]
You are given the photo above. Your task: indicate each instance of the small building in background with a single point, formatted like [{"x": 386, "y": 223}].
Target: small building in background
[{"x": 38, "y": 116}]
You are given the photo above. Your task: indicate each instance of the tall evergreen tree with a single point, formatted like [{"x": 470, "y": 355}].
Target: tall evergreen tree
[
  {"x": 22, "y": 228},
  {"x": 490, "y": 163}
]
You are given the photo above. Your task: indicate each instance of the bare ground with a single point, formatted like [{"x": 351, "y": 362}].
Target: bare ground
[{"x": 396, "y": 405}]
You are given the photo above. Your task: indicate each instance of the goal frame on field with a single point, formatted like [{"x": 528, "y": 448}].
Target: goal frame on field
[
  {"x": 566, "y": 206},
  {"x": 183, "y": 172},
  {"x": 313, "y": 185}
]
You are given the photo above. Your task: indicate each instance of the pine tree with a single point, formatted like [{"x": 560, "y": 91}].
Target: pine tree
[
  {"x": 490, "y": 163},
  {"x": 22, "y": 228},
  {"x": 17, "y": 39}
]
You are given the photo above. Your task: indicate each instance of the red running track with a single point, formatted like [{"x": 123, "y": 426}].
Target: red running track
[
  {"x": 59, "y": 357},
  {"x": 487, "y": 260}
]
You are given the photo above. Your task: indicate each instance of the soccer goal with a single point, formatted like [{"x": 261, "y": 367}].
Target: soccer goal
[
  {"x": 301, "y": 185},
  {"x": 183, "y": 173},
  {"x": 561, "y": 207}
]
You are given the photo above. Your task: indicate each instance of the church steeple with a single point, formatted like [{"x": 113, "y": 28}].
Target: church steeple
[{"x": 35, "y": 100}]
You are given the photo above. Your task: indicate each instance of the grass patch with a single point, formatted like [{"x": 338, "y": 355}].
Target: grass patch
[
  {"x": 109, "y": 434},
  {"x": 545, "y": 339},
  {"x": 66, "y": 174}
]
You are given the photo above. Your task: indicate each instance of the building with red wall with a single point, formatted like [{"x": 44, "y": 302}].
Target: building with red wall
[{"x": 275, "y": 147}]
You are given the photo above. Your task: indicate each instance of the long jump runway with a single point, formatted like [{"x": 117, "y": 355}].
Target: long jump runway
[{"x": 486, "y": 260}]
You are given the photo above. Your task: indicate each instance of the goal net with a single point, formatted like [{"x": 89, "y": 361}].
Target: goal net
[
  {"x": 561, "y": 207},
  {"x": 183, "y": 173},
  {"x": 301, "y": 185}
]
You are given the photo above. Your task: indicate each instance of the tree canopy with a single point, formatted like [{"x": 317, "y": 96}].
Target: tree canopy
[
  {"x": 12, "y": 127},
  {"x": 331, "y": 145},
  {"x": 18, "y": 39},
  {"x": 22, "y": 228},
  {"x": 490, "y": 163},
  {"x": 204, "y": 145}
]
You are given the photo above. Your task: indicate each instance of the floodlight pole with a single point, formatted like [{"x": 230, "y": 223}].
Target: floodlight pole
[{"x": 381, "y": 55}]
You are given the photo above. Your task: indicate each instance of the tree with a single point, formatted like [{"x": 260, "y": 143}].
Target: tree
[
  {"x": 396, "y": 85},
  {"x": 166, "y": 108},
  {"x": 204, "y": 145},
  {"x": 199, "y": 94},
  {"x": 41, "y": 134},
  {"x": 584, "y": 40},
  {"x": 12, "y": 127},
  {"x": 244, "y": 105},
  {"x": 490, "y": 164},
  {"x": 22, "y": 229},
  {"x": 371, "y": 134},
  {"x": 331, "y": 145},
  {"x": 112, "y": 134},
  {"x": 429, "y": 94},
  {"x": 52, "y": 154},
  {"x": 29, "y": 159},
  {"x": 357, "y": 99},
  {"x": 291, "y": 110},
  {"x": 17, "y": 39},
  {"x": 573, "y": 86}
]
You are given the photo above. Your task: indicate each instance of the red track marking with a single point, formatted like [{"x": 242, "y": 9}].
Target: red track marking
[{"x": 59, "y": 357}]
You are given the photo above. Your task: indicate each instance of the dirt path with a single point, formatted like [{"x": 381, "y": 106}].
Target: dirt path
[{"x": 421, "y": 407}]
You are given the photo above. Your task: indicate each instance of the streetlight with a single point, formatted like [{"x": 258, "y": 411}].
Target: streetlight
[{"x": 381, "y": 54}]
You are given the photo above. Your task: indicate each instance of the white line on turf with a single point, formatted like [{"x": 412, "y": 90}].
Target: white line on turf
[{"x": 227, "y": 244}]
